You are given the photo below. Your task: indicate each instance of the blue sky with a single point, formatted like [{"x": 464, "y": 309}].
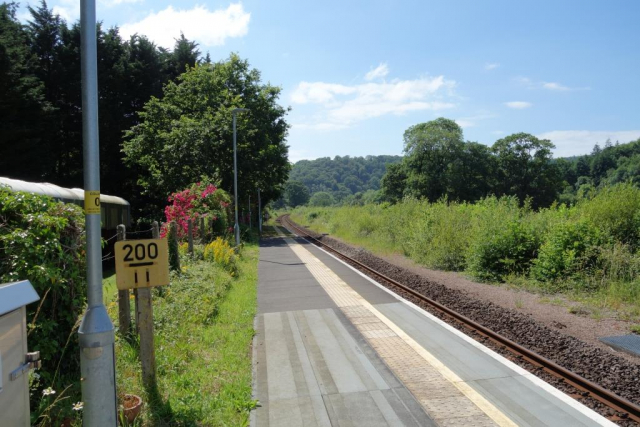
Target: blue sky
[{"x": 358, "y": 73}]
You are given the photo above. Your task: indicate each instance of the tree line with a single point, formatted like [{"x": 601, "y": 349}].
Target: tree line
[
  {"x": 439, "y": 163},
  {"x": 145, "y": 92}
]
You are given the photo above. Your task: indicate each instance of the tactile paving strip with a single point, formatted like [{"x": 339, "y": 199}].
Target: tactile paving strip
[{"x": 440, "y": 397}]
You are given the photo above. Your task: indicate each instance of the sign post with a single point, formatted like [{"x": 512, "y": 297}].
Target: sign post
[
  {"x": 124, "y": 304},
  {"x": 142, "y": 264},
  {"x": 96, "y": 335}
]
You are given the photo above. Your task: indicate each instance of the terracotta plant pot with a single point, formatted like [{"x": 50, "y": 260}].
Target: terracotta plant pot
[{"x": 132, "y": 405}]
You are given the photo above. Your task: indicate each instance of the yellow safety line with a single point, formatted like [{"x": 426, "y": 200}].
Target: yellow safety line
[{"x": 348, "y": 297}]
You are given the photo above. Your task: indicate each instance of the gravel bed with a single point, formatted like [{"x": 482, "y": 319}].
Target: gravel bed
[{"x": 608, "y": 370}]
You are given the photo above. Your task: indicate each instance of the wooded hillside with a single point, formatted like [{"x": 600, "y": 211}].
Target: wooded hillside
[{"x": 342, "y": 177}]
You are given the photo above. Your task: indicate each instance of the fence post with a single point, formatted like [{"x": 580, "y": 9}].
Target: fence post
[
  {"x": 174, "y": 255},
  {"x": 145, "y": 319},
  {"x": 124, "y": 305},
  {"x": 190, "y": 235}
]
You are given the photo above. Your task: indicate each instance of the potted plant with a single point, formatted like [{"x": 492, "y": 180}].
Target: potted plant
[{"x": 131, "y": 407}]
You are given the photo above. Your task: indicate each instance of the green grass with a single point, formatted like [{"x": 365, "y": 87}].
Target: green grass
[
  {"x": 204, "y": 329},
  {"x": 109, "y": 288}
]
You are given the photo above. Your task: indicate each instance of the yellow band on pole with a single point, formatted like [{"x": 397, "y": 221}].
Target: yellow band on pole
[{"x": 92, "y": 202}]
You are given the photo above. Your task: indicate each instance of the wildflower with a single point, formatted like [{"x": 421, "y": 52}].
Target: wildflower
[
  {"x": 48, "y": 391},
  {"x": 78, "y": 406}
]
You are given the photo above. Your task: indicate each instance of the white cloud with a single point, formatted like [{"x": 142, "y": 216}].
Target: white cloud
[
  {"x": 471, "y": 121},
  {"x": 69, "y": 10},
  {"x": 518, "y": 105},
  {"x": 558, "y": 87},
  {"x": 209, "y": 28},
  {"x": 379, "y": 72},
  {"x": 491, "y": 66},
  {"x": 554, "y": 86},
  {"x": 342, "y": 106},
  {"x": 319, "y": 93},
  {"x": 576, "y": 142}
]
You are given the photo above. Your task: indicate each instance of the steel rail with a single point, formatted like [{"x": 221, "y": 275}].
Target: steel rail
[{"x": 591, "y": 389}]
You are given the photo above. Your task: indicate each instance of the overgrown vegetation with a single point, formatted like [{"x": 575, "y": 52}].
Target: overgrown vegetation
[
  {"x": 590, "y": 249},
  {"x": 203, "y": 332},
  {"x": 43, "y": 241}
]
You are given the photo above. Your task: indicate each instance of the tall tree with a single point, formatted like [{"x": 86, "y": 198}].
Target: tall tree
[
  {"x": 296, "y": 194},
  {"x": 394, "y": 182},
  {"x": 22, "y": 103},
  {"x": 187, "y": 134},
  {"x": 185, "y": 55},
  {"x": 433, "y": 151},
  {"x": 525, "y": 169}
]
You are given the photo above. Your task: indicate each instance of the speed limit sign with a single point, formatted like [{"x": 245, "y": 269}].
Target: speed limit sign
[{"x": 142, "y": 263}]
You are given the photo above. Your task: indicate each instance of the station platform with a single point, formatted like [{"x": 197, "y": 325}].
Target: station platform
[{"x": 334, "y": 348}]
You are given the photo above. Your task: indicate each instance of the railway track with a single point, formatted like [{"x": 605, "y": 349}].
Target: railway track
[{"x": 625, "y": 409}]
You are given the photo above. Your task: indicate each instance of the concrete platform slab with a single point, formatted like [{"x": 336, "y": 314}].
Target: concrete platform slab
[
  {"x": 362, "y": 356},
  {"x": 311, "y": 365},
  {"x": 310, "y": 369}
]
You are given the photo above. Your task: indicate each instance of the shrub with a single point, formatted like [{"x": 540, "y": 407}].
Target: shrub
[
  {"x": 499, "y": 252},
  {"x": 220, "y": 252},
  {"x": 201, "y": 199},
  {"x": 442, "y": 236},
  {"x": 617, "y": 262},
  {"x": 569, "y": 248},
  {"x": 43, "y": 241},
  {"x": 183, "y": 248},
  {"x": 616, "y": 211}
]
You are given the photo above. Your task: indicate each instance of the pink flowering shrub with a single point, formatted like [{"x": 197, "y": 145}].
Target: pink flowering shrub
[{"x": 201, "y": 199}]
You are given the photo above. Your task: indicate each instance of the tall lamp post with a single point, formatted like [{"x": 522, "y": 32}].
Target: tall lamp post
[
  {"x": 236, "y": 227},
  {"x": 96, "y": 335}
]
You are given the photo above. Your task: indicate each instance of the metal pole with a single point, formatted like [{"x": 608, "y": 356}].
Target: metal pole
[
  {"x": 96, "y": 335},
  {"x": 250, "y": 226},
  {"x": 236, "y": 227},
  {"x": 259, "y": 213},
  {"x": 124, "y": 305}
]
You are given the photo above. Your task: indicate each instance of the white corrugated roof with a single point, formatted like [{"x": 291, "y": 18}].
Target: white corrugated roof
[{"x": 56, "y": 191}]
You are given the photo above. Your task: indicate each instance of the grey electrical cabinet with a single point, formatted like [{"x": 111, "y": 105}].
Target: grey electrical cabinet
[{"x": 15, "y": 360}]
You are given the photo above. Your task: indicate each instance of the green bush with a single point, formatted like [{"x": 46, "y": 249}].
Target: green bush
[
  {"x": 43, "y": 241},
  {"x": 569, "y": 248},
  {"x": 616, "y": 211},
  {"x": 442, "y": 236},
  {"x": 498, "y": 252}
]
